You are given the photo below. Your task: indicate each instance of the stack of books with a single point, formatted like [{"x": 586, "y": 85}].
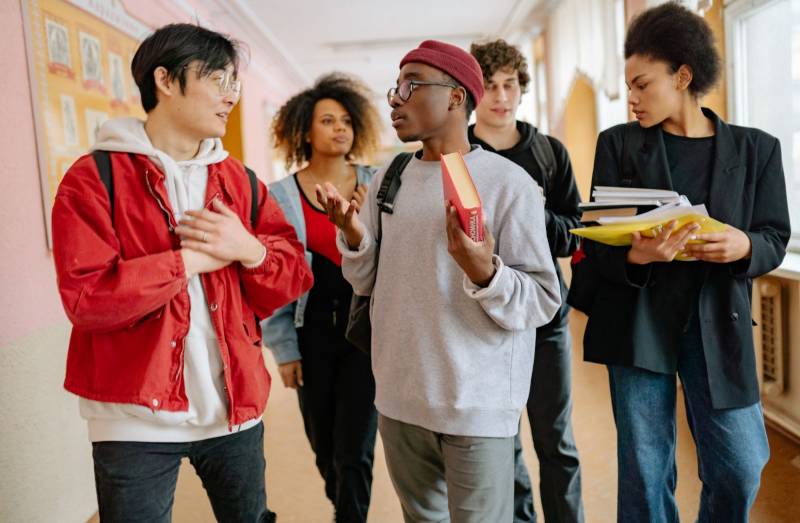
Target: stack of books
[
  {"x": 626, "y": 201},
  {"x": 620, "y": 211}
]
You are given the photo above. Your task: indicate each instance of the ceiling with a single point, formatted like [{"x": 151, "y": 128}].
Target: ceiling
[{"x": 369, "y": 37}]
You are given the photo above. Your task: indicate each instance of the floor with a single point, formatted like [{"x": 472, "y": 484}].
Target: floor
[{"x": 295, "y": 490}]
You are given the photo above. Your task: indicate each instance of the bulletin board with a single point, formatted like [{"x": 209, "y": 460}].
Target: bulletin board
[{"x": 79, "y": 56}]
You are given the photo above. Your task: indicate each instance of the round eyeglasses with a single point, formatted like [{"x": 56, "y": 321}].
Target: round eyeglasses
[{"x": 406, "y": 88}]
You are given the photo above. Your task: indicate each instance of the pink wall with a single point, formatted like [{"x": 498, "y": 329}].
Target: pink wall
[{"x": 27, "y": 279}]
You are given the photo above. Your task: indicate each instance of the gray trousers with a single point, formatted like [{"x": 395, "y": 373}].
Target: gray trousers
[
  {"x": 441, "y": 478},
  {"x": 550, "y": 415}
]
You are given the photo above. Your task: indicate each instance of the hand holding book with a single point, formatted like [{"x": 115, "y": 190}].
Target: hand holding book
[
  {"x": 474, "y": 258},
  {"x": 664, "y": 246}
]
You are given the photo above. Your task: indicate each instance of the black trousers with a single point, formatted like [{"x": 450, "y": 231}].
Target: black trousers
[
  {"x": 337, "y": 401},
  {"x": 136, "y": 481},
  {"x": 550, "y": 414}
]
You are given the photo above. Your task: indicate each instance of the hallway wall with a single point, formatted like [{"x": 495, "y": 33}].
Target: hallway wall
[{"x": 45, "y": 454}]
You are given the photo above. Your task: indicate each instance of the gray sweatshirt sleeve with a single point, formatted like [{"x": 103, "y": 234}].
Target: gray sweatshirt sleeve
[
  {"x": 359, "y": 266},
  {"x": 524, "y": 291}
]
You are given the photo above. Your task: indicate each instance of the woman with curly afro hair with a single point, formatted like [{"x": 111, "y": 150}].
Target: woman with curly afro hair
[
  {"x": 678, "y": 304},
  {"x": 322, "y": 130}
]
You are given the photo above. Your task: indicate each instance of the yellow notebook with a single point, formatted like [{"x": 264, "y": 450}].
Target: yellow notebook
[{"x": 619, "y": 234}]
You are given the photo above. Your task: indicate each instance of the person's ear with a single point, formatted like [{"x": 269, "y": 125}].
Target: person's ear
[
  {"x": 683, "y": 77},
  {"x": 163, "y": 83},
  {"x": 458, "y": 97}
]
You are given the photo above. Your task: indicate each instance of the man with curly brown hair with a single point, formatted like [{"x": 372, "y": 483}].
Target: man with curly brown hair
[{"x": 549, "y": 403}]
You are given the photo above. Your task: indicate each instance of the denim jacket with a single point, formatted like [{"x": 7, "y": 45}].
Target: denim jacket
[{"x": 280, "y": 329}]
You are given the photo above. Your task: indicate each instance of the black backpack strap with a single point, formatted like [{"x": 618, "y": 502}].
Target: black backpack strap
[
  {"x": 389, "y": 187},
  {"x": 391, "y": 182},
  {"x": 103, "y": 161},
  {"x": 545, "y": 159},
  {"x": 253, "y": 196}
]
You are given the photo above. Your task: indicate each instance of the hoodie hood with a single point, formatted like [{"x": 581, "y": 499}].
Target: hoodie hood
[
  {"x": 526, "y": 132},
  {"x": 127, "y": 135}
]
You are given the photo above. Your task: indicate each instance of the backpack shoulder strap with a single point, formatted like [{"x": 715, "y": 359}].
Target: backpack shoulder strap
[
  {"x": 103, "y": 161},
  {"x": 545, "y": 158},
  {"x": 389, "y": 187},
  {"x": 253, "y": 196},
  {"x": 391, "y": 182}
]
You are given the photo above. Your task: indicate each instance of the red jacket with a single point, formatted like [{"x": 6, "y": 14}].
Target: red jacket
[{"x": 124, "y": 287}]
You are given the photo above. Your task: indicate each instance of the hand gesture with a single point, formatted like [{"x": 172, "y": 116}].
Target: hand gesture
[
  {"x": 663, "y": 247},
  {"x": 219, "y": 233},
  {"x": 474, "y": 258},
  {"x": 360, "y": 195},
  {"x": 291, "y": 374},
  {"x": 342, "y": 213},
  {"x": 721, "y": 247}
]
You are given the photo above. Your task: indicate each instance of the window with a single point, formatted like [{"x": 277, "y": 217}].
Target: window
[{"x": 763, "y": 48}]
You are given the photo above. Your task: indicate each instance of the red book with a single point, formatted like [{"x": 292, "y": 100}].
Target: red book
[{"x": 460, "y": 191}]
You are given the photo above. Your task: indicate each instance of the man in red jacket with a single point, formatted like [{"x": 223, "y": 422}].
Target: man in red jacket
[{"x": 164, "y": 273}]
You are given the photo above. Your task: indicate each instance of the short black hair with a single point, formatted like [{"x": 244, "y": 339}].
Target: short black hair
[
  {"x": 175, "y": 46},
  {"x": 673, "y": 34},
  {"x": 293, "y": 120}
]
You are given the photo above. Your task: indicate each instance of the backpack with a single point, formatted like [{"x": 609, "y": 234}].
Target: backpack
[
  {"x": 585, "y": 280},
  {"x": 103, "y": 161},
  {"x": 545, "y": 159},
  {"x": 359, "y": 326}
]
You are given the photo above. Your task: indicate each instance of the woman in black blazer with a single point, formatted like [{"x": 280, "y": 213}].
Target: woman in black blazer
[{"x": 651, "y": 317}]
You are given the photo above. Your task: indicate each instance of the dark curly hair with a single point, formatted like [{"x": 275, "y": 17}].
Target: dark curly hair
[
  {"x": 500, "y": 55},
  {"x": 675, "y": 35},
  {"x": 293, "y": 120}
]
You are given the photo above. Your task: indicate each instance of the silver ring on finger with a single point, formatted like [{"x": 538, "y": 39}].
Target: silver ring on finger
[{"x": 203, "y": 238}]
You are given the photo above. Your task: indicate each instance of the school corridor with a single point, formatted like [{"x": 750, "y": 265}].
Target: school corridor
[{"x": 66, "y": 71}]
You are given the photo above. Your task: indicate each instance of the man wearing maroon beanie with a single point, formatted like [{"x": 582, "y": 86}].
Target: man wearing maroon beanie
[{"x": 453, "y": 321}]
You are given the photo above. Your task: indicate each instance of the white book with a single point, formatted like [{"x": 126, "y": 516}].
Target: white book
[
  {"x": 633, "y": 192},
  {"x": 667, "y": 212}
]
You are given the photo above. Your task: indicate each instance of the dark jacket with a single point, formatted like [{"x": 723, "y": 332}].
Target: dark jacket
[
  {"x": 747, "y": 191},
  {"x": 561, "y": 197}
]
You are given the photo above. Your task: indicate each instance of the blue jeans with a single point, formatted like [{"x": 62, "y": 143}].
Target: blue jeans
[
  {"x": 550, "y": 414},
  {"x": 136, "y": 481},
  {"x": 732, "y": 446}
]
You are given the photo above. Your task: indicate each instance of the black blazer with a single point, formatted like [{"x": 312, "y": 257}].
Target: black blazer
[{"x": 748, "y": 192}]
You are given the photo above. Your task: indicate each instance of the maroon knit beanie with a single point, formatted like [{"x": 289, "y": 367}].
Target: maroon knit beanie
[{"x": 452, "y": 60}]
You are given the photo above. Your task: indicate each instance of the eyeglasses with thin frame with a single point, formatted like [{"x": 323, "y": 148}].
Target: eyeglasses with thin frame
[
  {"x": 406, "y": 88},
  {"x": 226, "y": 82}
]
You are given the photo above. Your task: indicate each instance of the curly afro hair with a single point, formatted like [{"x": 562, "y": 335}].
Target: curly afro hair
[
  {"x": 500, "y": 55},
  {"x": 675, "y": 35},
  {"x": 293, "y": 120}
]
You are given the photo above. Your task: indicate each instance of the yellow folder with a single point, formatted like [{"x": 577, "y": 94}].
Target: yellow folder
[{"x": 618, "y": 234}]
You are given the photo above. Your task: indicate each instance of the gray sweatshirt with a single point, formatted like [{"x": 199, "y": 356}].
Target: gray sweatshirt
[{"x": 448, "y": 355}]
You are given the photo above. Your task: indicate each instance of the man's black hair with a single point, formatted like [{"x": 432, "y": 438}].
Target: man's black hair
[
  {"x": 675, "y": 35},
  {"x": 174, "y": 47}
]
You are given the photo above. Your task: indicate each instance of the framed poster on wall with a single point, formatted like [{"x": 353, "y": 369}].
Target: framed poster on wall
[{"x": 79, "y": 54}]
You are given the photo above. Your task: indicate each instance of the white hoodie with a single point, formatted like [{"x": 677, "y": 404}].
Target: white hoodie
[{"x": 202, "y": 372}]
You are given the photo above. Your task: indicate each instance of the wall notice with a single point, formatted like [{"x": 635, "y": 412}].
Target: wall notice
[{"x": 79, "y": 54}]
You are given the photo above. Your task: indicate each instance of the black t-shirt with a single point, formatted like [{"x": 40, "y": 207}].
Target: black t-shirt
[{"x": 690, "y": 161}]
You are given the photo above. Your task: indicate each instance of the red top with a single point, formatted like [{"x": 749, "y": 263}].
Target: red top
[
  {"x": 320, "y": 232},
  {"x": 123, "y": 286}
]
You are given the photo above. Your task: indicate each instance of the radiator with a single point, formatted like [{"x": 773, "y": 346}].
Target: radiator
[{"x": 774, "y": 346}]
